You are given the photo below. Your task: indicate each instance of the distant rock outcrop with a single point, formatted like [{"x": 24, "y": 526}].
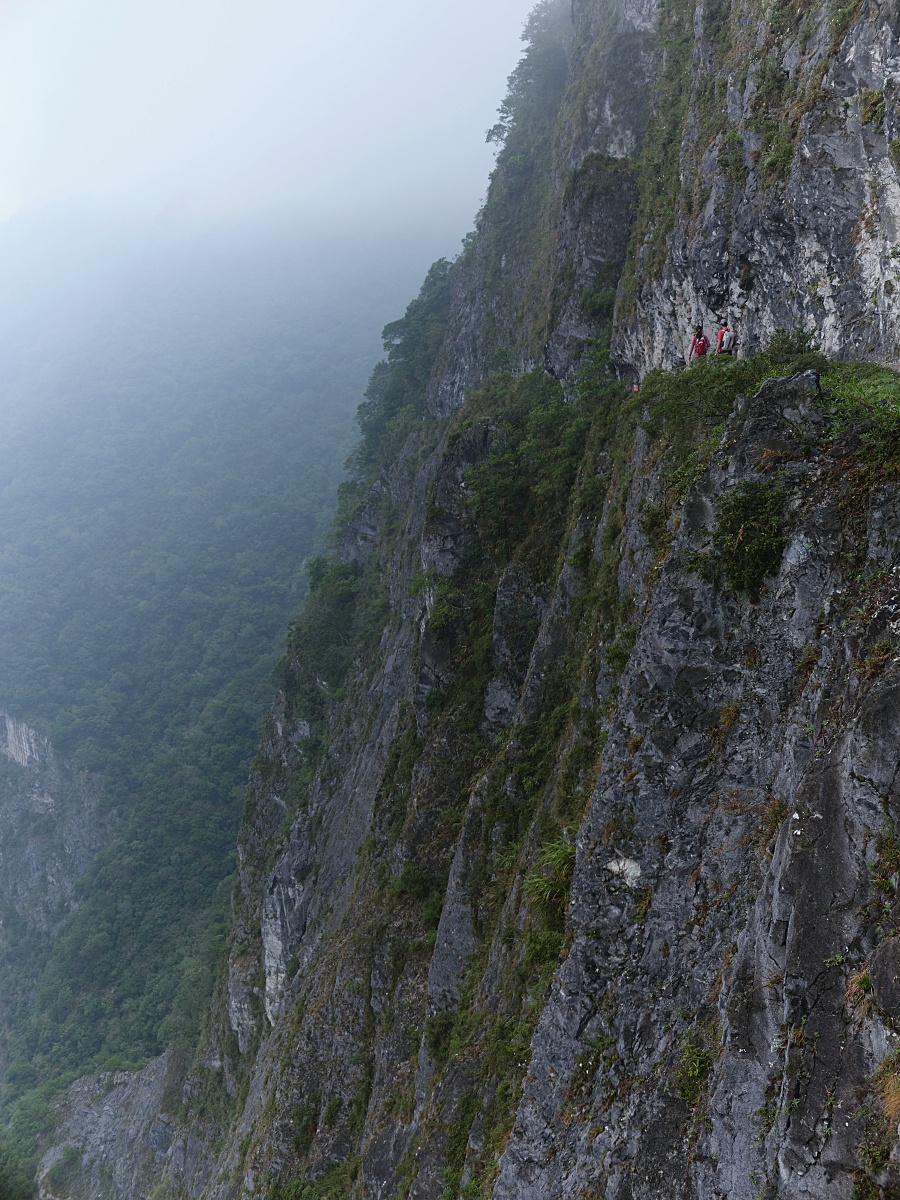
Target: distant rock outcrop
[{"x": 52, "y": 826}]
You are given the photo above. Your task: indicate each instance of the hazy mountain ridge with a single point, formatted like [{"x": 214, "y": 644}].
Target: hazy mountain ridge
[{"x": 569, "y": 862}]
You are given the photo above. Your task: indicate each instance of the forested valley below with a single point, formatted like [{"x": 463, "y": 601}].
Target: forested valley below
[{"x": 174, "y": 432}]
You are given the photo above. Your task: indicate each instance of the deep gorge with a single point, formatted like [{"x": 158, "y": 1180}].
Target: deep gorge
[{"x": 569, "y": 859}]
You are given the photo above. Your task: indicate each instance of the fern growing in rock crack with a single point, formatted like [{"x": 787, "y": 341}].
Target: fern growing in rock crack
[{"x": 548, "y": 884}]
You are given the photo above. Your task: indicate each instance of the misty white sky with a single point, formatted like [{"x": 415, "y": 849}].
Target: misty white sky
[{"x": 364, "y": 110}]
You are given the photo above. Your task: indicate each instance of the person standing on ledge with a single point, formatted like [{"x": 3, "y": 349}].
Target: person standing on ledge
[
  {"x": 724, "y": 338},
  {"x": 699, "y": 344}
]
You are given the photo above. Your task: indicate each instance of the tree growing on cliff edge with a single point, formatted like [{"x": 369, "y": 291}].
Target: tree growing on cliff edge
[{"x": 540, "y": 74}]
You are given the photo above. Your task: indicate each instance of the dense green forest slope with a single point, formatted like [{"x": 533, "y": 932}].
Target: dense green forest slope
[{"x": 166, "y": 468}]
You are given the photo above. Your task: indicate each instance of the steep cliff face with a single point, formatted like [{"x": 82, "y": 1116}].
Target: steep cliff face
[
  {"x": 569, "y": 865},
  {"x": 727, "y": 1000},
  {"x": 438, "y": 985},
  {"x": 53, "y": 824},
  {"x": 770, "y": 194},
  {"x": 53, "y": 827},
  {"x": 541, "y": 271}
]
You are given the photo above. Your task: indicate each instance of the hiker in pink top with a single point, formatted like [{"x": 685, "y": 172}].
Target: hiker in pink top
[{"x": 699, "y": 344}]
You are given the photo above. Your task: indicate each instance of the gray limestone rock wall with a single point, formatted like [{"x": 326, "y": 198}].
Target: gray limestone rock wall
[
  {"x": 540, "y": 274},
  {"x": 116, "y": 1135},
  {"x": 784, "y": 211},
  {"x": 703, "y": 1038},
  {"x": 52, "y": 826}
]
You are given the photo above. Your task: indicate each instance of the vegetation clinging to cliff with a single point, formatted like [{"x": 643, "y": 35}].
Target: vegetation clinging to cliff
[
  {"x": 347, "y": 603},
  {"x": 538, "y": 80},
  {"x": 398, "y": 386}
]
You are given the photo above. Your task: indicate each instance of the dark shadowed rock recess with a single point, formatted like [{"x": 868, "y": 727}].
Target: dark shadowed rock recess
[{"x": 580, "y": 877}]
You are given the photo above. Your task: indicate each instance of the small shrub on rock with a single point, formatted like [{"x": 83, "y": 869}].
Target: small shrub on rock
[
  {"x": 692, "y": 1067},
  {"x": 750, "y": 538}
]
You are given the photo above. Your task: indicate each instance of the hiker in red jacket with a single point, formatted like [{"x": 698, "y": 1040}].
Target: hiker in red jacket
[
  {"x": 724, "y": 338},
  {"x": 699, "y": 344}
]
